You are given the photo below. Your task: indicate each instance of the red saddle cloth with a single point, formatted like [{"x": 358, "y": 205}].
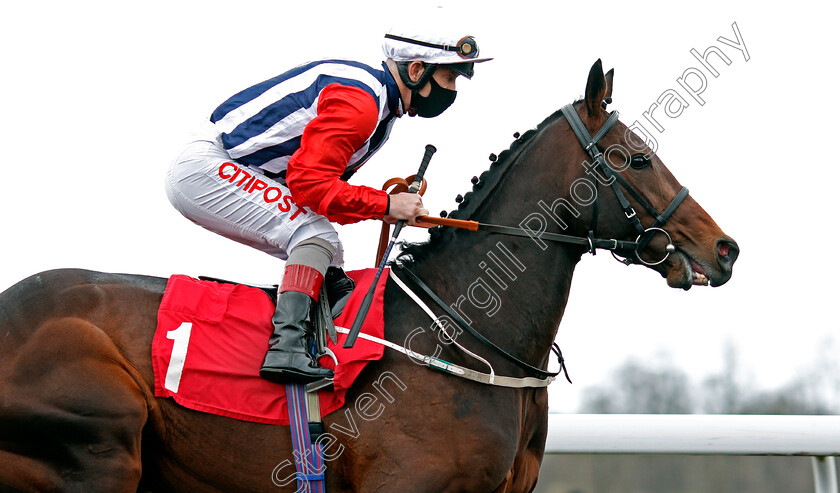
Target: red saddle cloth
[{"x": 212, "y": 337}]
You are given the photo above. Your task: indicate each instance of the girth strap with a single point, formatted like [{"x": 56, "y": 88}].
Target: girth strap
[{"x": 308, "y": 456}]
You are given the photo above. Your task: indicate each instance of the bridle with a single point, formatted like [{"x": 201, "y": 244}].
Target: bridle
[
  {"x": 645, "y": 235},
  {"x": 616, "y": 182}
]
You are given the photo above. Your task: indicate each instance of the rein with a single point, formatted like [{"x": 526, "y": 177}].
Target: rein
[
  {"x": 616, "y": 182},
  {"x": 436, "y": 363},
  {"x": 487, "y": 342},
  {"x": 590, "y": 242}
]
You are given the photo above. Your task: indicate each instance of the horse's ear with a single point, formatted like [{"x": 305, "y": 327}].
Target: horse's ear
[
  {"x": 596, "y": 88},
  {"x": 609, "y": 77}
]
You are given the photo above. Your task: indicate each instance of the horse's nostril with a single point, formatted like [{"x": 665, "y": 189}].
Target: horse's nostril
[{"x": 727, "y": 252}]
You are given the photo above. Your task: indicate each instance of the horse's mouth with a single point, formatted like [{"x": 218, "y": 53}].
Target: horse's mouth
[
  {"x": 698, "y": 275},
  {"x": 686, "y": 272}
]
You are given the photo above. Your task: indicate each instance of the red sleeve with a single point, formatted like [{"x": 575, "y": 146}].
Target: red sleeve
[{"x": 347, "y": 116}]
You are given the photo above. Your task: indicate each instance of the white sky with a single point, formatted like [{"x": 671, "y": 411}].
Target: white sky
[{"x": 97, "y": 98}]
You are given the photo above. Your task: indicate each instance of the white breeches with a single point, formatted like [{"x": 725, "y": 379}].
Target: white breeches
[{"x": 211, "y": 189}]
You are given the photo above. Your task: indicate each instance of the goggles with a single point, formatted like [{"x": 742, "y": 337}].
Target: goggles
[{"x": 466, "y": 48}]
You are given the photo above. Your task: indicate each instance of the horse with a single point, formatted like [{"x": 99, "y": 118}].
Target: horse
[{"x": 77, "y": 404}]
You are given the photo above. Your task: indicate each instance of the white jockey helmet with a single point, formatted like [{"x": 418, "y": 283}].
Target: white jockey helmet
[{"x": 457, "y": 53}]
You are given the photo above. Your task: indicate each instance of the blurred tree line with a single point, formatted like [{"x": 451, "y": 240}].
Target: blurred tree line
[{"x": 661, "y": 387}]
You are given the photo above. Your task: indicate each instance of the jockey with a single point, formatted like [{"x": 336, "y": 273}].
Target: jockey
[{"x": 270, "y": 170}]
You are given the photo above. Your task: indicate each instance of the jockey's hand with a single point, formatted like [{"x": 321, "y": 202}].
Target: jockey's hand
[{"x": 405, "y": 206}]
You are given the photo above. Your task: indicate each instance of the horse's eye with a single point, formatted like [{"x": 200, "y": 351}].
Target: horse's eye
[{"x": 640, "y": 161}]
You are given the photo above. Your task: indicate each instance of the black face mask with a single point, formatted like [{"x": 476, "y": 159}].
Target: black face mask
[{"x": 435, "y": 103}]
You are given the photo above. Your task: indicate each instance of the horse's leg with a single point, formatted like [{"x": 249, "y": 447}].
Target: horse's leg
[
  {"x": 71, "y": 413},
  {"x": 526, "y": 465},
  {"x": 523, "y": 476},
  {"x": 505, "y": 486}
]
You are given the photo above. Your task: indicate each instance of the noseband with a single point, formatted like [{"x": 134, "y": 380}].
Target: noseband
[{"x": 645, "y": 235}]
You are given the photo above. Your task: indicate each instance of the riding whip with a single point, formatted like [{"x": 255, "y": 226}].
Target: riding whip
[{"x": 360, "y": 316}]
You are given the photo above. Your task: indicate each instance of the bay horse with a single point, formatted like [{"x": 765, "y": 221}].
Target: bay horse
[{"x": 77, "y": 405}]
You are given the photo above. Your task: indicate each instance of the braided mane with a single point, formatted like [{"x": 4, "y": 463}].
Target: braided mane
[{"x": 412, "y": 252}]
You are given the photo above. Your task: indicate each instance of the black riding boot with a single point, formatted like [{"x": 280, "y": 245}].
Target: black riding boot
[{"x": 288, "y": 359}]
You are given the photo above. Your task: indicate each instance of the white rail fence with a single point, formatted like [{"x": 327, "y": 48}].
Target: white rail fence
[{"x": 695, "y": 434}]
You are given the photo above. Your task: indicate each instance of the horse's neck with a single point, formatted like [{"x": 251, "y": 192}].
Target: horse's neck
[
  {"x": 511, "y": 289},
  {"x": 506, "y": 287}
]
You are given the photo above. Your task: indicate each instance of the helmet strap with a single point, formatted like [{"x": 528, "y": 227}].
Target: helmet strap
[{"x": 415, "y": 86}]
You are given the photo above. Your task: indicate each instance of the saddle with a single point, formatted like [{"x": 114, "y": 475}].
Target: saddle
[
  {"x": 210, "y": 342},
  {"x": 212, "y": 336}
]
